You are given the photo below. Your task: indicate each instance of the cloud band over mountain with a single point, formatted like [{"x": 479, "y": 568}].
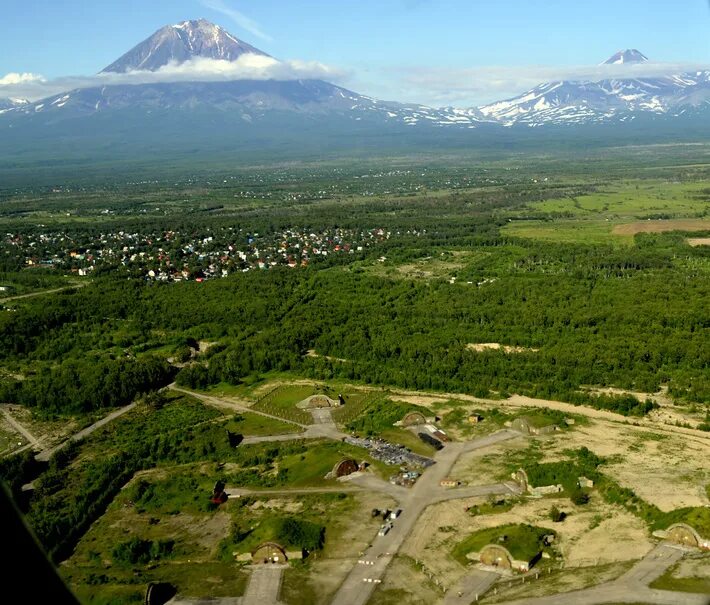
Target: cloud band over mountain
[
  {"x": 247, "y": 67},
  {"x": 429, "y": 86}
]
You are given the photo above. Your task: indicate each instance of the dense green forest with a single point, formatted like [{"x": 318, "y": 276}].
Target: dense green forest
[{"x": 591, "y": 320}]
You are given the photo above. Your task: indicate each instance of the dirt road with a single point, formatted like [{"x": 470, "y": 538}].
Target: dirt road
[
  {"x": 237, "y": 492},
  {"x": 41, "y": 293},
  {"x": 45, "y": 455},
  {"x": 34, "y": 442}
]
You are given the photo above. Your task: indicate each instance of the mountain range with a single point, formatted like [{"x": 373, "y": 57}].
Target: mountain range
[{"x": 265, "y": 111}]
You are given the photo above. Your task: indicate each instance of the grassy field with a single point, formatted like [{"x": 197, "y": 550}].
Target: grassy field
[
  {"x": 700, "y": 585},
  {"x": 98, "y": 585},
  {"x": 248, "y": 424},
  {"x": 297, "y": 465},
  {"x": 602, "y": 217},
  {"x": 407, "y": 439},
  {"x": 355, "y": 404},
  {"x": 297, "y": 588},
  {"x": 282, "y": 402}
]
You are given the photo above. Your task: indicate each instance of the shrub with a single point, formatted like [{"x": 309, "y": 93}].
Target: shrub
[
  {"x": 579, "y": 497},
  {"x": 136, "y": 551},
  {"x": 556, "y": 515}
]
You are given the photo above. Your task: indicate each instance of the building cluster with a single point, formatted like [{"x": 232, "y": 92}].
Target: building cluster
[{"x": 198, "y": 254}]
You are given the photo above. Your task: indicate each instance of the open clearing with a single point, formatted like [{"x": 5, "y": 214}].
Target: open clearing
[
  {"x": 496, "y": 346},
  {"x": 614, "y": 214},
  {"x": 662, "y": 226}
]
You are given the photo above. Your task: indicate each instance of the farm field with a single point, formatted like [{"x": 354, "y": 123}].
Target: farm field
[{"x": 617, "y": 212}]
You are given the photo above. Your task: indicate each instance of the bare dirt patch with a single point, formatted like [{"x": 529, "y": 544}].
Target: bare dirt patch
[
  {"x": 699, "y": 241},
  {"x": 205, "y": 531},
  {"x": 405, "y": 584},
  {"x": 664, "y": 468},
  {"x": 480, "y": 347},
  {"x": 662, "y": 226},
  {"x": 314, "y": 353},
  {"x": 483, "y": 466},
  {"x": 205, "y": 345},
  {"x": 418, "y": 399},
  {"x": 287, "y": 506}
]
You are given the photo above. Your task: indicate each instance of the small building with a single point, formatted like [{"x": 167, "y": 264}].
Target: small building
[
  {"x": 583, "y": 482},
  {"x": 345, "y": 467},
  {"x": 526, "y": 426},
  {"x": 412, "y": 419},
  {"x": 315, "y": 402},
  {"x": 510, "y": 547},
  {"x": 475, "y": 418},
  {"x": 682, "y": 533},
  {"x": 496, "y": 555},
  {"x": 269, "y": 552}
]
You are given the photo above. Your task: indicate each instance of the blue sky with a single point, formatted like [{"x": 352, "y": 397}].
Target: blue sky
[{"x": 388, "y": 48}]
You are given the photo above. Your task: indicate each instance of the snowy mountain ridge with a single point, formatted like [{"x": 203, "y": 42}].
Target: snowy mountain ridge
[
  {"x": 552, "y": 103},
  {"x": 581, "y": 102}
]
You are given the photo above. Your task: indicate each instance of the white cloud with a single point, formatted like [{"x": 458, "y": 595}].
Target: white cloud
[
  {"x": 246, "y": 67},
  {"x": 436, "y": 87},
  {"x": 239, "y": 18},
  {"x": 13, "y": 78}
]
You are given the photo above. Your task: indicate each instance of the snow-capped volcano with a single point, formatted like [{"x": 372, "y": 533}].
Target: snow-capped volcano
[
  {"x": 582, "y": 102},
  {"x": 141, "y": 110},
  {"x": 626, "y": 57},
  {"x": 253, "y": 101},
  {"x": 181, "y": 42}
]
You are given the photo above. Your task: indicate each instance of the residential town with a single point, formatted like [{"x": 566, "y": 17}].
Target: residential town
[{"x": 177, "y": 255}]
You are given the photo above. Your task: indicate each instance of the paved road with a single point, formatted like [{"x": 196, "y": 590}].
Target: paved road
[
  {"x": 356, "y": 589},
  {"x": 20, "y": 429},
  {"x": 632, "y": 587},
  {"x": 264, "y": 585},
  {"x": 321, "y": 416},
  {"x": 45, "y": 455},
  {"x": 474, "y": 585}
]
